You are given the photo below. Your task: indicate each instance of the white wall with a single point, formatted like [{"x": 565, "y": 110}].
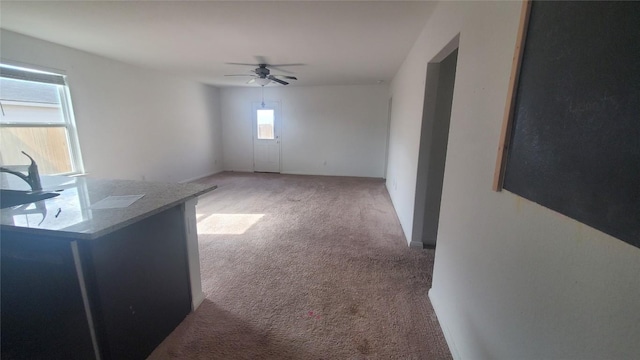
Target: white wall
[
  {"x": 512, "y": 279},
  {"x": 344, "y": 126},
  {"x": 133, "y": 123}
]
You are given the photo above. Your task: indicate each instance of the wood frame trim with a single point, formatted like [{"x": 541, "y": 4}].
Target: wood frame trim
[{"x": 503, "y": 148}]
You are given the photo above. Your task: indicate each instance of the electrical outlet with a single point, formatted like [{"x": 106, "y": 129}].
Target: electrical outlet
[{"x": 324, "y": 163}]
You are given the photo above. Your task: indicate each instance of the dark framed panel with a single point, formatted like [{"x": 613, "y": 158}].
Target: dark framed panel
[{"x": 571, "y": 139}]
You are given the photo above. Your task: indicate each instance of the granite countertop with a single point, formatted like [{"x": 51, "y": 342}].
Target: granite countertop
[{"x": 70, "y": 215}]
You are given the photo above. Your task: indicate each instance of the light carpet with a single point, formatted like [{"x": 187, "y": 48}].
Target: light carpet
[{"x": 306, "y": 267}]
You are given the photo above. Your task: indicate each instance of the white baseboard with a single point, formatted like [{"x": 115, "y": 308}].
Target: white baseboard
[
  {"x": 239, "y": 170},
  {"x": 310, "y": 173},
  {"x": 201, "y": 177},
  {"x": 443, "y": 325}
]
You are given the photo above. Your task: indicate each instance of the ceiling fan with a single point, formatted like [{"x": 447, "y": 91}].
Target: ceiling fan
[{"x": 262, "y": 74}]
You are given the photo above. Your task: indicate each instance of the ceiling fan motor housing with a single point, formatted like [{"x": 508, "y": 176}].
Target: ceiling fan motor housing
[
  {"x": 262, "y": 71},
  {"x": 263, "y": 74}
]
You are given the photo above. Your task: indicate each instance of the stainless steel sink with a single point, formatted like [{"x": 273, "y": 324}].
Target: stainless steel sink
[{"x": 9, "y": 198}]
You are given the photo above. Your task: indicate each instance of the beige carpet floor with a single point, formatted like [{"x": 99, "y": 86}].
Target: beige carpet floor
[{"x": 306, "y": 267}]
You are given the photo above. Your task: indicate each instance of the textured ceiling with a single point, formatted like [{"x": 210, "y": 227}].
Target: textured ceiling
[{"x": 356, "y": 42}]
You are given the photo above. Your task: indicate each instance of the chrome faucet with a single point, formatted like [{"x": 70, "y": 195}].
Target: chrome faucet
[{"x": 32, "y": 178}]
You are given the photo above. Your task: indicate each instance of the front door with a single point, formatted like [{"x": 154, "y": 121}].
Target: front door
[{"x": 266, "y": 137}]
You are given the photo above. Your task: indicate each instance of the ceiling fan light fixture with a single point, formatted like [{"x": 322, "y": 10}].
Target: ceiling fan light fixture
[
  {"x": 262, "y": 74},
  {"x": 262, "y": 81}
]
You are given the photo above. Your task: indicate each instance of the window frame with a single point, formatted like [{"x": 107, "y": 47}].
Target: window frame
[{"x": 34, "y": 73}]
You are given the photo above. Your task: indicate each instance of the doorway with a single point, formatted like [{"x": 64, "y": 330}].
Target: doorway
[
  {"x": 434, "y": 136},
  {"x": 266, "y": 137}
]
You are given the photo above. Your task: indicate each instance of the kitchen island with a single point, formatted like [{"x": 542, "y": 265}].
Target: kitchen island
[{"x": 80, "y": 282}]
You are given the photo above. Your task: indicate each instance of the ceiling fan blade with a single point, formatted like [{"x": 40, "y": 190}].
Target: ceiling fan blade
[
  {"x": 251, "y": 81},
  {"x": 278, "y": 67},
  {"x": 243, "y": 64},
  {"x": 273, "y": 78},
  {"x": 294, "y": 64},
  {"x": 287, "y": 77},
  {"x": 241, "y": 75}
]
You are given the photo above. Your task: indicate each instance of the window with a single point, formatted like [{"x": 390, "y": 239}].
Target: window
[
  {"x": 265, "y": 124},
  {"x": 37, "y": 118}
]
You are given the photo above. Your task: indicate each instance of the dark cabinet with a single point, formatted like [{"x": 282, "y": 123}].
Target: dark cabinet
[
  {"x": 136, "y": 282},
  {"x": 41, "y": 304}
]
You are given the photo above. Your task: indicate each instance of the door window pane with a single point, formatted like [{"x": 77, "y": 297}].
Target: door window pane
[{"x": 265, "y": 124}]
